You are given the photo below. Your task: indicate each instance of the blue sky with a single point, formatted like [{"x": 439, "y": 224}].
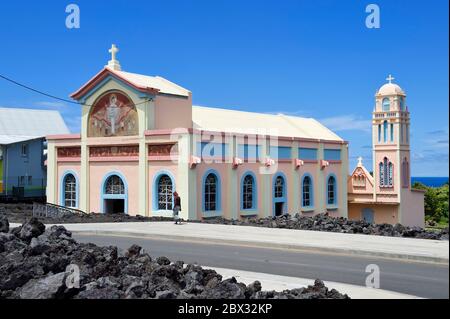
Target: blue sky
[{"x": 306, "y": 58}]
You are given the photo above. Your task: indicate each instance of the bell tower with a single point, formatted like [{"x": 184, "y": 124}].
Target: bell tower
[{"x": 390, "y": 140}]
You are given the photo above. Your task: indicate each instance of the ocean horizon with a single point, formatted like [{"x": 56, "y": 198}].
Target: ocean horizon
[{"x": 430, "y": 181}]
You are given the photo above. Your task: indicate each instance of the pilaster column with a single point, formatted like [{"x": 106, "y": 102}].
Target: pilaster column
[
  {"x": 143, "y": 110},
  {"x": 84, "y": 178},
  {"x": 343, "y": 189},
  {"x": 52, "y": 174},
  {"x": 320, "y": 190},
  {"x": 266, "y": 208},
  {"x": 294, "y": 192},
  {"x": 186, "y": 179},
  {"x": 143, "y": 178},
  {"x": 232, "y": 192},
  {"x": 84, "y": 165}
]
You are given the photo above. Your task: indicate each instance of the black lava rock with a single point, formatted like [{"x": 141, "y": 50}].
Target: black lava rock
[
  {"x": 324, "y": 222},
  {"x": 4, "y": 223},
  {"x": 39, "y": 263}
]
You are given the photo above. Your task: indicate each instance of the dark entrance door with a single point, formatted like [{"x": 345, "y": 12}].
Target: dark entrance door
[
  {"x": 279, "y": 209},
  {"x": 114, "y": 206},
  {"x": 368, "y": 215}
]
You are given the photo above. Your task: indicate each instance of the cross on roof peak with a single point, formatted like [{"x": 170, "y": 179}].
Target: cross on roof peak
[
  {"x": 114, "y": 63},
  {"x": 360, "y": 159},
  {"x": 114, "y": 49},
  {"x": 390, "y": 78}
]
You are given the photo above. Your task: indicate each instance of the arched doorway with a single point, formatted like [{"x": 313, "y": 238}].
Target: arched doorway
[
  {"x": 279, "y": 195},
  {"x": 114, "y": 195}
]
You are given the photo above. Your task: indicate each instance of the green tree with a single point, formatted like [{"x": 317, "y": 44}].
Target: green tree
[{"x": 436, "y": 202}]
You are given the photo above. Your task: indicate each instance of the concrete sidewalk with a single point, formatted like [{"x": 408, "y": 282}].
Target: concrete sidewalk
[
  {"x": 361, "y": 245},
  {"x": 279, "y": 283}
]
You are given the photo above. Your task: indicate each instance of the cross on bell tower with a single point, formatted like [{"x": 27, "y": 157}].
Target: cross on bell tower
[
  {"x": 114, "y": 63},
  {"x": 390, "y": 78}
]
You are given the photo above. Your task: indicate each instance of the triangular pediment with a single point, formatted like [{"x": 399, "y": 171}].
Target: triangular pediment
[
  {"x": 105, "y": 76},
  {"x": 361, "y": 171}
]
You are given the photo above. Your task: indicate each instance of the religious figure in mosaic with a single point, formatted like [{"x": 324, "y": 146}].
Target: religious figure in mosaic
[
  {"x": 113, "y": 112},
  {"x": 113, "y": 115}
]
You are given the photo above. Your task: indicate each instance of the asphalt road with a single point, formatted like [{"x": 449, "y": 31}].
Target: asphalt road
[{"x": 415, "y": 278}]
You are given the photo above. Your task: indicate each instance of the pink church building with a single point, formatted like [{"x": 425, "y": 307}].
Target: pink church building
[{"x": 142, "y": 139}]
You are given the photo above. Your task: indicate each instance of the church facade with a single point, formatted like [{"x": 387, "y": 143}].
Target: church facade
[{"x": 142, "y": 139}]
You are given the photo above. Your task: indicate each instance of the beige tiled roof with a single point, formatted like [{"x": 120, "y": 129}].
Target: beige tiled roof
[
  {"x": 225, "y": 120},
  {"x": 155, "y": 82}
]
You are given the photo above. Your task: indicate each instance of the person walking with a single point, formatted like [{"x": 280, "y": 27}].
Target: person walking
[{"x": 176, "y": 207}]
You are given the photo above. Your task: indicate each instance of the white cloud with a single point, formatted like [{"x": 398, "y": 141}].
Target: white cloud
[
  {"x": 347, "y": 123},
  {"x": 52, "y": 105}
]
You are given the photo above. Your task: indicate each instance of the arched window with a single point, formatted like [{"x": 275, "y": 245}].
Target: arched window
[
  {"x": 401, "y": 133},
  {"x": 211, "y": 192},
  {"x": 386, "y": 105},
  {"x": 114, "y": 185},
  {"x": 165, "y": 192},
  {"x": 70, "y": 191},
  {"x": 405, "y": 172},
  {"x": 386, "y": 173},
  {"x": 307, "y": 192},
  {"x": 385, "y": 131},
  {"x": 248, "y": 192},
  {"x": 392, "y": 132},
  {"x": 391, "y": 172},
  {"x": 279, "y": 187},
  {"x": 402, "y": 104},
  {"x": 407, "y": 133},
  {"x": 331, "y": 190},
  {"x": 381, "y": 172},
  {"x": 379, "y": 133}
]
